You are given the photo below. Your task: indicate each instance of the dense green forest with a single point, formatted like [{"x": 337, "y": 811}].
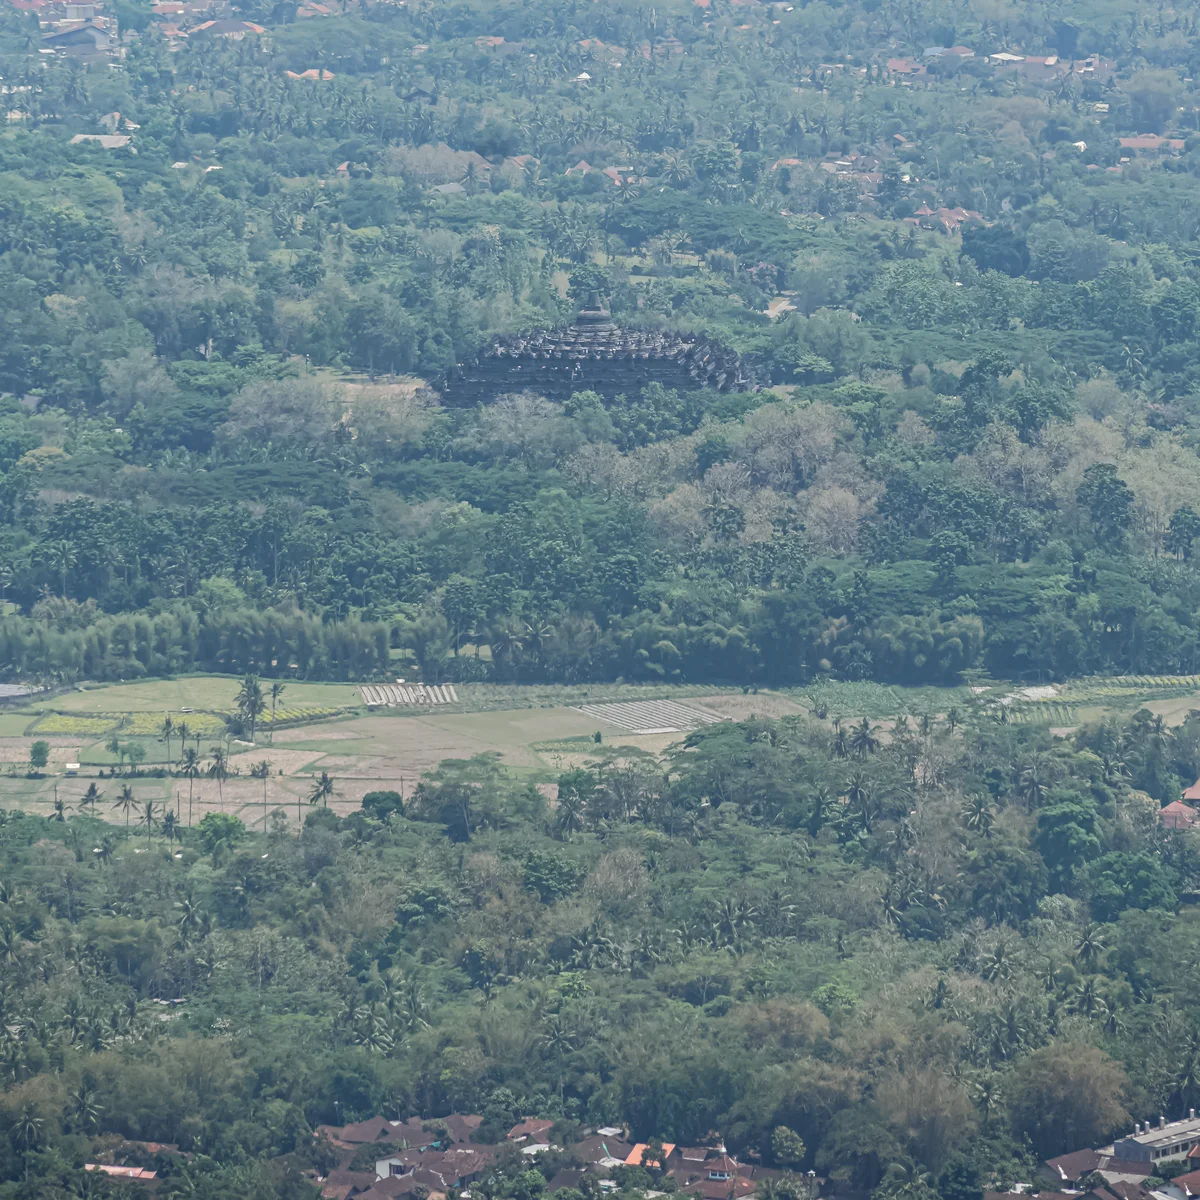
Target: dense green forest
[
  {"x": 935, "y": 954},
  {"x": 226, "y": 444},
  {"x": 915, "y": 960}
]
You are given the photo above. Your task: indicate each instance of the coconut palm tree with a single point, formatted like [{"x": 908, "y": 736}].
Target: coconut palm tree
[
  {"x": 167, "y": 731},
  {"x": 170, "y": 827},
  {"x": 250, "y": 702},
  {"x": 864, "y": 739},
  {"x": 218, "y": 769},
  {"x": 322, "y": 789},
  {"x": 28, "y": 1131},
  {"x": 262, "y": 770},
  {"x": 91, "y": 798},
  {"x": 125, "y": 802},
  {"x": 189, "y": 766},
  {"x": 1089, "y": 946},
  {"x": 276, "y": 692},
  {"x": 115, "y": 746},
  {"x": 977, "y": 815},
  {"x": 148, "y": 818}
]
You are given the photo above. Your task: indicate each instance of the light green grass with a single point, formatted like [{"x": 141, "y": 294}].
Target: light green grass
[
  {"x": 14, "y": 724},
  {"x": 517, "y": 727},
  {"x": 324, "y": 746},
  {"x": 215, "y": 693},
  {"x": 844, "y": 698}
]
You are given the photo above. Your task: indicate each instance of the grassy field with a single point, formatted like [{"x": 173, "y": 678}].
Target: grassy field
[
  {"x": 212, "y": 692},
  {"x": 535, "y": 731}
]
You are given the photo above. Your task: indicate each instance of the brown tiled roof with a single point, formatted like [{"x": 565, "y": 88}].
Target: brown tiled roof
[
  {"x": 461, "y": 1127},
  {"x": 1073, "y": 1166},
  {"x": 1190, "y": 1182},
  {"x": 720, "y": 1189},
  {"x": 597, "y": 1148},
  {"x": 376, "y": 1129},
  {"x": 340, "y": 1185},
  {"x": 530, "y": 1127},
  {"x": 1176, "y": 815}
]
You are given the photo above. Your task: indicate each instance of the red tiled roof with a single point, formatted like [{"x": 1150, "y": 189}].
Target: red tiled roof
[
  {"x": 120, "y": 1172},
  {"x": 639, "y": 1151},
  {"x": 1150, "y": 141},
  {"x": 1190, "y": 1182},
  {"x": 1177, "y": 815},
  {"x": 530, "y": 1127}
]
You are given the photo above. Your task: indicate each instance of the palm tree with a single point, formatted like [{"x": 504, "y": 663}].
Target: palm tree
[
  {"x": 841, "y": 742},
  {"x": 250, "y": 702},
  {"x": 863, "y": 739},
  {"x": 189, "y": 766},
  {"x": 63, "y": 556},
  {"x": 262, "y": 770},
  {"x": 276, "y": 692},
  {"x": 321, "y": 790},
  {"x": 1033, "y": 783},
  {"x": 28, "y": 1131},
  {"x": 148, "y": 817},
  {"x": 1089, "y": 946},
  {"x": 125, "y": 802},
  {"x": 61, "y": 807},
  {"x": 568, "y": 817},
  {"x": 85, "y": 1111},
  {"x": 166, "y": 731},
  {"x": 170, "y": 827},
  {"x": 91, "y": 797},
  {"x": 114, "y": 746},
  {"x": 191, "y": 918},
  {"x": 183, "y": 732},
  {"x": 218, "y": 769},
  {"x": 977, "y": 815}
]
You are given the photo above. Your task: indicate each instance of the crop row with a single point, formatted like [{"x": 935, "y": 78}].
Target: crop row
[
  {"x": 142, "y": 724},
  {"x": 150, "y": 724}
]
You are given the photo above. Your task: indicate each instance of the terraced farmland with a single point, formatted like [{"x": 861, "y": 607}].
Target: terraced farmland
[
  {"x": 395, "y": 695},
  {"x": 651, "y": 716}
]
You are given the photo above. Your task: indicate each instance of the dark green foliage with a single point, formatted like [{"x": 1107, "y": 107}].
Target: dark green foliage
[{"x": 381, "y": 805}]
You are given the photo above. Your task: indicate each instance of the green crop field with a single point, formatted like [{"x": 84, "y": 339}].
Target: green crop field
[{"x": 214, "y": 693}]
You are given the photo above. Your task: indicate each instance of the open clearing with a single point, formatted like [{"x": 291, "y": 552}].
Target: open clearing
[
  {"x": 214, "y": 693},
  {"x": 539, "y": 732}
]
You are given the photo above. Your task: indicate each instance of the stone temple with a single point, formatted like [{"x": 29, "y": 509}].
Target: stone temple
[{"x": 593, "y": 354}]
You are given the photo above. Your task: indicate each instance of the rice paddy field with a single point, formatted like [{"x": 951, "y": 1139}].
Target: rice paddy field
[{"x": 537, "y": 731}]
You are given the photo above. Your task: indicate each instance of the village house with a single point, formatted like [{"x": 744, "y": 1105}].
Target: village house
[
  {"x": 84, "y": 41},
  {"x": 1151, "y": 143},
  {"x": 532, "y": 1129},
  {"x": 1166, "y": 1140},
  {"x": 138, "y": 1173},
  {"x": 1177, "y": 815},
  {"x": 1122, "y": 1171},
  {"x": 233, "y": 30},
  {"x": 429, "y": 1158},
  {"x": 108, "y": 141}
]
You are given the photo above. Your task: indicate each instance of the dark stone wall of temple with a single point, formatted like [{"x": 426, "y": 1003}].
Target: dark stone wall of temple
[{"x": 595, "y": 355}]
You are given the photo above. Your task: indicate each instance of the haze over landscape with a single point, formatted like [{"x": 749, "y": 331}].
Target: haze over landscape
[{"x": 599, "y": 598}]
